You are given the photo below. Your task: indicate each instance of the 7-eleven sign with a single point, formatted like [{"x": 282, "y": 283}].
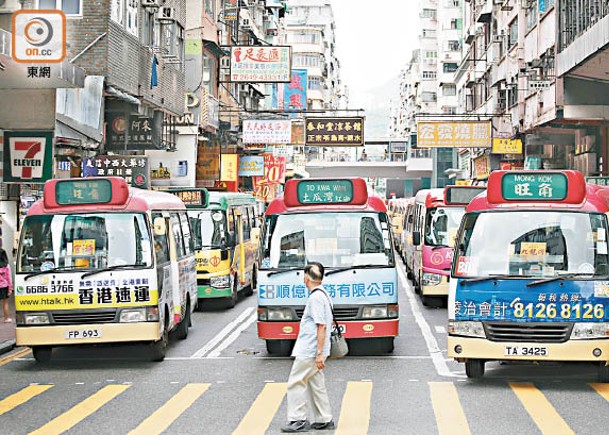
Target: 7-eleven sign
[{"x": 28, "y": 156}]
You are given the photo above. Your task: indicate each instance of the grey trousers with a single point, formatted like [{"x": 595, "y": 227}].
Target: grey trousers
[{"x": 307, "y": 383}]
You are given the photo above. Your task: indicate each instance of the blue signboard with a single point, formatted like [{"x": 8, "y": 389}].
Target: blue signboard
[
  {"x": 372, "y": 286},
  {"x": 251, "y": 166},
  {"x": 295, "y": 92},
  {"x": 512, "y": 300}
]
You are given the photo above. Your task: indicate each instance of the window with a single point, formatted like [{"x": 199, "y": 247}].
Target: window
[
  {"x": 449, "y": 90},
  {"x": 210, "y": 8},
  {"x": 151, "y": 29},
  {"x": 454, "y": 46},
  {"x": 429, "y": 75},
  {"x": 428, "y": 13},
  {"x": 513, "y": 34},
  {"x": 117, "y": 11},
  {"x": 177, "y": 236},
  {"x": 429, "y": 33},
  {"x": 188, "y": 240},
  {"x": 449, "y": 110},
  {"x": 209, "y": 73},
  {"x": 314, "y": 83},
  {"x": 428, "y": 97},
  {"x": 430, "y": 54},
  {"x": 68, "y": 7},
  {"x": 161, "y": 248},
  {"x": 531, "y": 15},
  {"x": 304, "y": 37},
  {"x": 306, "y": 60},
  {"x": 449, "y": 67},
  {"x": 131, "y": 23}
]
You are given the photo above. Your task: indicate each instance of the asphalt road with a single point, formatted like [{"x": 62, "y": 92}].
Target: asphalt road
[{"x": 221, "y": 381}]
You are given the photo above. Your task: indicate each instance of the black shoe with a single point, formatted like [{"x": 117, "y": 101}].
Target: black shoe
[
  {"x": 296, "y": 426},
  {"x": 329, "y": 425}
]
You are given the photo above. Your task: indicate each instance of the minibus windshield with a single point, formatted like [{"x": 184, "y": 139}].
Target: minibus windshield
[
  {"x": 84, "y": 242},
  {"x": 441, "y": 223},
  {"x": 532, "y": 244}
]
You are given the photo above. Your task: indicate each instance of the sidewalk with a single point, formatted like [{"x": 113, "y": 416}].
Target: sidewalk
[{"x": 7, "y": 330}]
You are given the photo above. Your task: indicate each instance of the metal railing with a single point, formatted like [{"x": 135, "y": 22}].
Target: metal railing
[{"x": 577, "y": 16}]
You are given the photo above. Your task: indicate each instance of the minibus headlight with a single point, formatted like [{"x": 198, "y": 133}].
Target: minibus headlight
[
  {"x": 431, "y": 279},
  {"x": 466, "y": 329},
  {"x": 129, "y": 315},
  {"x": 152, "y": 314},
  {"x": 35, "y": 319},
  {"x": 275, "y": 314},
  {"x": 583, "y": 331},
  {"x": 374, "y": 312},
  {"x": 220, "y": 281}
]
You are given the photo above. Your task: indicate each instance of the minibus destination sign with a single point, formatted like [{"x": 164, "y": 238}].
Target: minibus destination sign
[
  {"x": 325, "y": 191},
  {"x": 531, "y": 186},
  {"x": 192, "y": 197},
  {"x": 92, "y": 191}
]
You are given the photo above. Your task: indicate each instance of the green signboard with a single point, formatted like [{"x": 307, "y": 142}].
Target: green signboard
[
  {"x": 28, "y": 156},
  {"x": 523, "y": 186},
  {"x": 325, "y": 191},
  {"x": 601, "y": 181},
  {"x": 93, "y": 191}
]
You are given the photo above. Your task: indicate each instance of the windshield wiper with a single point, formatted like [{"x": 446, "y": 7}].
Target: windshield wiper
[
  {"x": 40, "y": 272},
  {"x": 489, "y": 278},
  {"x": 290, "y": 269},
  {"x": 363, "y": 266},
  {"x": 559, "y": 278},
  {"x": 108, "y": 269}
]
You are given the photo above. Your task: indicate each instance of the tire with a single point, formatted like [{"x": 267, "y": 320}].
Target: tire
[
  {"x": 231, "y": 301},
  {"x": 158, "y": 349},
  {"x": 603, "y": 372},
  {"x": 249, "y": 290},
  {"x": 474, "y": 368},
  {"x": 182, "y": 329},
  {"x": 42, "y": 354},
  {"x": 370, "y": 346},
  {"x": 280, "y": 347},
  {"x": 432, "y": 301}
]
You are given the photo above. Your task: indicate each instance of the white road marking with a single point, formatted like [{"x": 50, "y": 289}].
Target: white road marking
[
  {"x": 222, "y": 334},
  {"x": 231, "y": 338},
  {"x": 430, "y": 340},
  {"x": 189, "y": 358},
  {"x": 440, "y": 329}
]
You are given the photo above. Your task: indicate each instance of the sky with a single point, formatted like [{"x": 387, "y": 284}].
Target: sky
[{"x": 374, "y": 42}]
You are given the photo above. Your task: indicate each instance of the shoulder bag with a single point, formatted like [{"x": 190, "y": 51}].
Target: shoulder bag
[{"x": 338, "y": 343}]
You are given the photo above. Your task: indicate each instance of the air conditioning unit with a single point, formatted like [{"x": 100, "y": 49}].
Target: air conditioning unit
[
  {"x": 252, "y": 2},
  {"x": 244, "y": 89},
  {"x": 498, "y": 38},
  {"x": 166, "y": 14},
  {"x": 526, "y": 4},
  {"x": 9, "y": 6},
  {"x": 152, "y": 4},
  {"x": 225, "y": 62}
]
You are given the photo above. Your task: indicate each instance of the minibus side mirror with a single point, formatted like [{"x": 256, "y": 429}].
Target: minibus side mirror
[
  {"x": 416, "y": 238},
  {"x": 231, "y": 239},
  {"x": 160, "y": 228}
]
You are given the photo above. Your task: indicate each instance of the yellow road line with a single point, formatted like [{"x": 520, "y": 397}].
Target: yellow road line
[
  {"x": 447, "y": 407},
  {"x": 162, "y": 418},
  {"x": 79, "y": 412},
  {"x": 540, "y": 409},
  {"x": 12, "y": 356},
  {"x": 355, "y": 409},
  {"x": 261, "y": 413},
  {"x": 602, "y": 389},
  {"x": 20, "y": 397}
]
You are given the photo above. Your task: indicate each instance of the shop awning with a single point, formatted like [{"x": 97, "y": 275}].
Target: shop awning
[{"x": 122, "y": 95}]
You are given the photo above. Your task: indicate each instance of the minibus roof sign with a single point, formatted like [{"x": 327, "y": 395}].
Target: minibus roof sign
[
  {"x": 85, "y": 191},
  {"x": 565, "y": 187},
  {"x": 325, "y": 191},
  {"x": 461, "y": 195}
]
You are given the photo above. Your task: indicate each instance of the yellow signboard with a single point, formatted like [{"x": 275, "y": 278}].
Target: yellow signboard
[
  {"x": 533, "y": 249},
  {"x": 229, "y": 165},
  {"x": 83, "y": 247},
  {"x": 459, "y": 134},
  {"x": 506, "y": 146}
]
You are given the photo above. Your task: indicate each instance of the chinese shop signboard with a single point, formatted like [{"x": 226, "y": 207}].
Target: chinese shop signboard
[
  {"x": 134, "y": 169},
  {"x": 132, "y": 132},
  {"x": 251, "y": 166},
  {"x": 295, "y": 92},
  {"x": 28, "y": 156},
  {"x": 433, "y": 134},
  {"x": 506, "y": 146},
  {"x": 334, "y": 131},
  {"x": 266, "y": 131},
  {"x": 229, "y": 167},
  {"x": 264, "y": 64}
]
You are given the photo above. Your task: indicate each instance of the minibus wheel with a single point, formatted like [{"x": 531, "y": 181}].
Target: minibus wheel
[
  {"x": 42, "y": 354},
  {"x": 249, "y": 290},
  {"x": 232, "y": 299},
  {"x": 603, "y": 372},
  {"x": 182, "y": 329},
  {"x": 474, "y": 368},
  {"x": 158, "y": 349}
]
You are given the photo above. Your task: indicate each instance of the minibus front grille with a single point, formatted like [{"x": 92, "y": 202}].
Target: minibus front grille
[
  {"x": 528, "y": 332},
  {"x": 340, "y": 313},
  {"x": 84, "y": 317},
  {"x": 203, "y": 281}
]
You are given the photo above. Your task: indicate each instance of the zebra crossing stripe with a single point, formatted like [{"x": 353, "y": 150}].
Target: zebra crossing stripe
[
  {"x": 602, "y": 389},
  {"x": 261, "y": 413},
  {"x": 162, "y": 418},
  {"x": 79, "y": 412},
  {"x": 447, "y": 408},
  {"x": 540, "y": 409},
  {"x": 20, "y": 397},
  {"x": 355, "y": 409}
]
